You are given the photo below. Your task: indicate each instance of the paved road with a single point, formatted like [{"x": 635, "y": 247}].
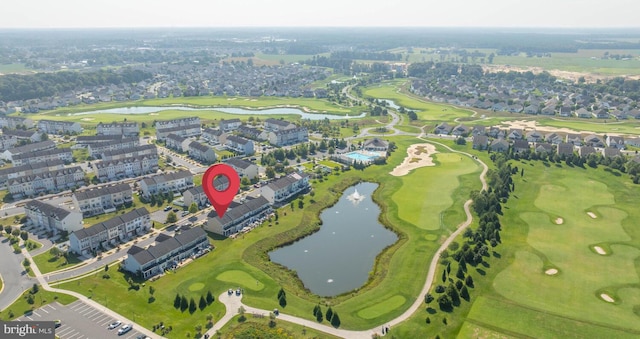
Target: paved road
[{"x": 13, "y": 282}]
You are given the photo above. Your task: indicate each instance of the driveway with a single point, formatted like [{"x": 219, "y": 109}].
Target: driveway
[{"x": 79, "y": 320}]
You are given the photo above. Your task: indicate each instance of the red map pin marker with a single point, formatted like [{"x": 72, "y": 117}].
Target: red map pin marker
[{"x": 220, "y": 199}]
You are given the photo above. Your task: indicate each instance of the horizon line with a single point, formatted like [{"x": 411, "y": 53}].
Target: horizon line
[{"x": 319, "y": 26}]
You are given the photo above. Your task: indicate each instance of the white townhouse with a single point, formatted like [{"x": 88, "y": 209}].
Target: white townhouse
[
  {"x": 202, "y": 153},
  {"x": 52, "y": 218},
  {"x": 127, "y": 129},
  {"x": 59, "y": 127},
  {"x": 289, "y": 136},
  {"x": 185, "y": 127},
  {"x": 240, "y": 145},
  {"x": 29, "y": 169},
  {"x": 274, "y": 125},
  {"x": 149, "y": 149},
  {"x": 102, "y": 200},
  {"x": 177, "y": 142},
  {"x": 122, "y": 143},
  {"x": 215, "y": 135},
  {"x": 230, "y": 124},
  {"x": 15, "y": 122},
  {"x": 62, "y": 154},
  {"x": 29, "y": 148},
  {"x": 238, "y": 216},
  {"x": 244, "y": 168},
  {"x": 125, "y": 168},
  {"x": 46, "y": 182},
  {"x": 120, "y": 228},
  {"x": 176, "y": 182},
  {"x": 285, "y": 188},
  {"x": 166, "y": 253}
]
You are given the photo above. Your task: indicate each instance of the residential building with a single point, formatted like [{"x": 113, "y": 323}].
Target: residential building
[
  {"x": 594, "y": 140},
  {"x": 29, "y": 135},
  {"x": 46, "y": 182},
  {"x": 185, "y": 127},
  {"x": 443, "y": 129},
  {"x": 289, "y": 136},
  {"x": 274, "y": 125},
  {"x": 238, "y": 216},
  {"x": 86, "y": 140},
  {"x": 97, "y": 148},
  {"x": 126, "y": 129},
  {"x": 584, "y": 151},
  {"x": 62, "y": 154},
  {"x": 59, "y": 127},
  {"x": 615, "y": 142},
  {"x": 375, "y": 145},
  {"x": 166, "y": 253},
  {"x": 109, "y": 233},
  {"x": 26, "y": 149},
  {"x": 28, "y": 169},
  {"x": 125, "y": 168},
  {"x": 565, "y": 148},
  {"x": 102, "y": 200},
  {"x": 534, "y": 136},
  {"x": 229, "y": 125},
  {"x": 202, "y": 153},
  {"x": 285, "y": 188},
  {"x": 610, "y": 152},
  {"x": 252, "y": 133},
  {"x": 543, "y": 147},
  {"x": 148, "y": 149},
  {"x": 480, "y": 142},
  {"x": 575, "y": 139},
  {"x": 169, "y": 182},
  {"x": 195, "y": 194},
  {"x": 52, "y": 218},
  {"x": 460, "y": 131},
  {"x": 499, "y": 145},
  {"x": 214, "y": 135},
  {"x": 240, "y": 145},
  {"x": 177, "y": 142},
  {"x": 15, "y": 122},
  {"x": 245, "y": 169},
  {"x": 521, "y": 146}
]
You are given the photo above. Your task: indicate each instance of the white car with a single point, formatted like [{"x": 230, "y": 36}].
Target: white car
[
  {"x": 115, "y": 324},
  {"x": 124, "y": 329}
]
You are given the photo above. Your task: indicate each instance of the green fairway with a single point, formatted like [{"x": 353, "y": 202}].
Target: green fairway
[
  {"x": 48, "y": 263},
  {"x": 241, "y": 278},
  {"x": 439, "y": 181},
  {"x": 383, "y": 307}
]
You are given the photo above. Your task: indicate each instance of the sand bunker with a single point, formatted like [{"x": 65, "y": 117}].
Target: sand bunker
[
  {"x": 533, "y": 125},
  {"x": 86, "y": 119},
  {"x": 154, "y": 113},
  {"x": 599, "y": 250},
  {"x": 606, "y": 298},
  {"x": 559, "y": 221},
  {"x": 592, "y": 215},
  {"x": 551, "y": 271},
  {"x": 418, "y": 155}
]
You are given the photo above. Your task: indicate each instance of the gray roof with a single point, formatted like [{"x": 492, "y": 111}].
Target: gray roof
[
  {"x": 27, "y": 167},
  {"x": 168, "y": 177},
  {"x": 199, "y": 147},
  {"x": 98, "y": 192},
  {"x": 104, "y": 164},
  {"x": 176, "y": 128},
  {"x": 137, "y": 149},
  {"x": 111, "y": 223},
  {"x": 36, "y": 154},
  {"x": 195, "y": 190},
  {"x": 181, "y": 121},
  {"x": 188, "y": 236},
  {"x": 46, "y": 209},
  {"x": 211, "y": 131},
  {"x": 229, "y": 121},
  {"x": 176, "y": 138},
  {"x": 286, "y": 181},
  {"x": 278, "y": 122},
  {"x": 238, "y": 140},
  {"x": 238, "y": 211},
  {"x": 92, "y": 139},
  {"x": 239, "y": 163},
  {"x": 165, "y": 244},
  {"x": 36, "y": 146},
  {"x": 19, "y": 133},
  {"x": 46, "y": 174}
]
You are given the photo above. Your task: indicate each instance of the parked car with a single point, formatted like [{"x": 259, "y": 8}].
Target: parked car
[
  {"x": 167, "y": 208},
  {"x": 126, "y": 328},
  {"x": 57, "y": 323},
  {"x": 115, "y": 324}
]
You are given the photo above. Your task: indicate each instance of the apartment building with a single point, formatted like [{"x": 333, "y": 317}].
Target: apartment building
[
  {"x": 46, "y": 182},
  {"x": 29, "y": 148},
  {"x": 289, "y": 136},
  {"x": 102, "y": 200},
  {"x": 149, "y": 149},
  {"x": 202, "y": 153},
  {"x": 96, "y": 149},
  {"x": 244, "y": 168},
  {"x": 125, "y": 168},
  {"x": 59, "y": 127},
  {"x": 176, "y": 182},
  {"x": 240, "y": 145},
  {"x": 238, "y": 216},
  {"x": 51, "y": 218},
  {"x": 285, "y": 188},
  {"x": 63, "y": 154},
  {"x": 126, "y": 129}
]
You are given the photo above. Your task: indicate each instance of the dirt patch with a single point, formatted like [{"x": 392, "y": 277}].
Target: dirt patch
[
  {"x": 607, "y": 298},
  {"x": 573, "y": 76},
  {"x": 418, "y": 155},
  {"x": 551, "y": 271},
  {"x": 559, "y": 221},
  {"x": 527, "y": 125},
  {"x": 592, "y": 215},
  {"x": 599, "y": 250}
]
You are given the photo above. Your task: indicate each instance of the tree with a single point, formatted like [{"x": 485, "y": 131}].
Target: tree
[
  {"x": 106, "y": 267},
  {"x": 209, "y": 298},
  {"x": 34, "y": 289},
  {"x": 193, "y": 208},
  {"x": 192, "y": 305},
  {"x": 445, "y": 303},
  {"x": 7, "y": 229},
  {"x": 171, "y": 218},
  {"x": 469, "y": 281},
  {"x": 329, "y": 313},
  {"x": 176, "y": 301},
  {"x": 202, "y": 304},
  {"x": 464, "y": 293},
  {"x": 24, "y": 235},
  {"x": 184, "y": 304},
  {"x": 335, "y": 320},
  {"x": 270, "y": 172},
  {"x": 428, "y": 298},
  {"x": 300, "y": 204}
]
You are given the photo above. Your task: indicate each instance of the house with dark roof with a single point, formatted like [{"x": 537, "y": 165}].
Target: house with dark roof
[
  {"x": 127, "y": 129},
  {"x": 252, "y": 133},
  {"x": 499, "y": 145},
  {"x": 177, "y": 142},
  {"x": 245, "y": 169},
  {"x": 443, "y": 129},
  {"x": 26, "y": 149},
  {"x": 575, "y": 139},
  {"x": 593, "y": 140},
  {"x": 584, "y": 151},
  {"x": 30, "y": 135},
  {"x": 543, "y": 147},
  {"x": 201, "y": 152},
  {"x": 460, "y": 131},
  {"x": 195, "y": 195},
  {"x": 375, "y": 145},
  {"x": 96, "y": 149},
  {"x": 480, "y": 142},
  {"x": 62, "y": 154},
  {"x": 50, "y": 181},
  {"x": 565, "y": 148},
  {"x": 166, "y": 253},
  {"x": 289, "y": 136},
  {"x": 229, "y": 125},
  {"x": 120, "y": 228},
  {"x": 615, "y": 142},
  {"x": 176, "y": 182},
  {"x": 52, "y": 218},
  {"x": 125, "y": 168},
  {"x": 521, "y": 146},
  {"x": 28, "y": 169},
  {"x": 102, "y": 200},
  {"x": 59, "y": 127},
  {"x": 214, "y": 135},
  {"x": 611, "y": 152},
  {"x": 239, "y": 144},
  {"x": 148, "y": 149},
  {"x": 238, "y": 216},
  {"x": 274, "y": 125},
  {"x": 285, "y": 188}
]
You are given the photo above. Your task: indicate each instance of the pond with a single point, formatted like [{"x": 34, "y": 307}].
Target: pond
[
  {"x": 339, "y": 257},
  {"x": 230, "y": 110}
]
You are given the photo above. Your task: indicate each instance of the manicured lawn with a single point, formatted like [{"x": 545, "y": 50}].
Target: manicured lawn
[
  {"x": 32, "y": 245},
  {"x": 254, "y": 327},
  {"x": 42, "y": 297},
  {"x": 49, "y": 263}
]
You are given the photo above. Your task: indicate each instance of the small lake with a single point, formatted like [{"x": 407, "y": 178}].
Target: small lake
[
  {"x": 339, "y": 257},
  {"x": 391, "y": 103},
  {"x": 229, "y": 110}
]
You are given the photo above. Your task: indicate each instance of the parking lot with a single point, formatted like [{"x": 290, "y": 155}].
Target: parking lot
[{"x": 78, "y": 320}]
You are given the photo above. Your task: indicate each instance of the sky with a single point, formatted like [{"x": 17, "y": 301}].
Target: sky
[{"x": 320, "y": 13}]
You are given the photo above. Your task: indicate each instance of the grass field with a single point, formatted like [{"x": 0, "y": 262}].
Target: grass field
[
  {"x": 14, "y": 68},
  {"x": 568, "y": 303},
  {"x": 49, "y": 263},
  {"x": 21, "y": 306}
]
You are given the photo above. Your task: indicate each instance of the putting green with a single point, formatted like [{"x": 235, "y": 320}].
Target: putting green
[
  {"x": 382, "y": 308},
  {"x": 237, "y": 277},
  {"x": 196, "y": 287}
]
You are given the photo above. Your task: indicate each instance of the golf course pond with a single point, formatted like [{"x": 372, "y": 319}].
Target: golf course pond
[
  {"x": 229, "y": 110},
  {"x": 339, "y": 257}
]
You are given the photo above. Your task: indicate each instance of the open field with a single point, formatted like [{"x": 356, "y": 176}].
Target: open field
[
  {"x": 49, "y": 263},
  {"x": 14, "y": 68},
  {"x": 259, "y": 328},
  {"x": 21, "y": 306}
]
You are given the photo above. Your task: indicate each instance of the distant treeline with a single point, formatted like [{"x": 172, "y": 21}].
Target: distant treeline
[{"x": 40, "y": 85}]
